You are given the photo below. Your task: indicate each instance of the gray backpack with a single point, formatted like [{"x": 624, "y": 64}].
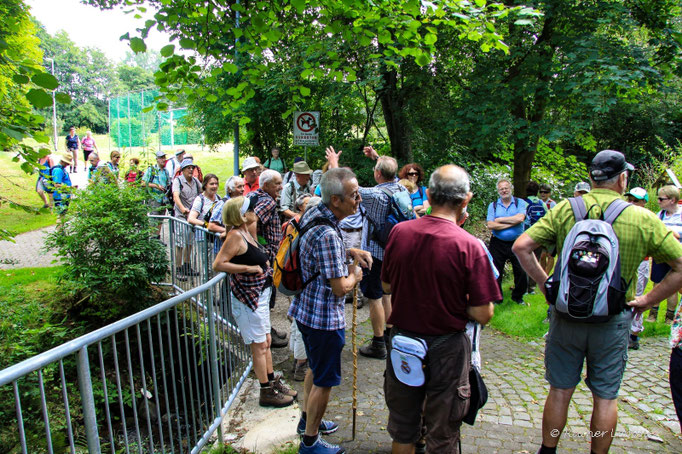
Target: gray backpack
[{"x": 587, "y": 285}]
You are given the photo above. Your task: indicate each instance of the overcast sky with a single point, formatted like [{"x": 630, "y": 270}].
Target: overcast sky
[{"x": 88, "y": 26}]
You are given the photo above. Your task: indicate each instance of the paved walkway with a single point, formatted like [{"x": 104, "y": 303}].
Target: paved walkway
[
  {"x": 26, "y": 251},
  {"x": 512, "y": 419}
]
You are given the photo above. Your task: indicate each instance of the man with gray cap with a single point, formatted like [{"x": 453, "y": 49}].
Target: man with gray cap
[
  {"x": 173, "y": 164},
  {"x": 156, "y": 179},
  {"x": 298, "y": 186},
  {"x": 602, "y": 345},
  {"x": 186, "y": 188},
  {"x": 581, "y": 188}
]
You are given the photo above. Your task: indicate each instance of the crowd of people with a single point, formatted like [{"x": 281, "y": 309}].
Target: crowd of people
[{"x": 428, "y": 283}]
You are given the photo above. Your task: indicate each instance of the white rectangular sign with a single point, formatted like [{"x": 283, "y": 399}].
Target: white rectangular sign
[{"x": 307, "y": 128}]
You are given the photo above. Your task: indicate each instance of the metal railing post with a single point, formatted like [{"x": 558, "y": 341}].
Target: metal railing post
[
  {"x": 88, "y": 401},
  {"x": 213, "y": 351},
  {"x": 171, "y": 245}
]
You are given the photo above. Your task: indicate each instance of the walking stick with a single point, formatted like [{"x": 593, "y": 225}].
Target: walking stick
[{"x": 355, "y": 355}]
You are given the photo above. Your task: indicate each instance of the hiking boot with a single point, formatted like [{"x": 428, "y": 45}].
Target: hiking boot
[
  {"x": 375, "y": 349},
  {"x": 420, "y": 447},
  {"x": 270, "y": 397},
  {"x": 669, "y": 314},
  {"x": 179, "y": 274},
  {"x": 279, "y": 385},
  {"x": 300, "y": 370},
  {"x": 188, "y": 270},
  {"x": 276, "y": 342},
  {"x": 326, "y": 427},
  {"x": 633, "y": 344},
  {"x": 320, "y": 447},
  {"x": 653, "y": 314},
  {"x": 274, "y": 333}
]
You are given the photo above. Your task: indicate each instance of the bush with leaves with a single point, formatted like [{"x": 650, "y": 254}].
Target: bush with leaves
[{"x": 109, "y": 259}]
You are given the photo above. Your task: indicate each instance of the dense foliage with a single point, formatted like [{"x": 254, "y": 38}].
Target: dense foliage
[{"x": 108, "y": 256}]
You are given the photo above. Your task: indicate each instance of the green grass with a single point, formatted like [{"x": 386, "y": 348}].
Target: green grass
[
  {"x": 27, "y": 326},
  {"x": 526, "y": 322},
  {"x": 19, "y": 187}
]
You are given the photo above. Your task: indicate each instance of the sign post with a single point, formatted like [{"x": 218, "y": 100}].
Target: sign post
[{"x": 307, "y": 130}]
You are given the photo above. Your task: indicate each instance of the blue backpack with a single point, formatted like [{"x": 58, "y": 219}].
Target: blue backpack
[
  {"x": 399, "y": 210},
  {"x": 535, "y": 210}
]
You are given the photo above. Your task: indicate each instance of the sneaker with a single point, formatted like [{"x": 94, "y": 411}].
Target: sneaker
[
  {"x": 300, "y": 370},
  {"x": 374, "y": 350},
  {"x": 320, "y": 447},
  {"x": 270, "y": 397},
  {"x": 326, "y": 427},
  {"x": 279, "y": 385}
]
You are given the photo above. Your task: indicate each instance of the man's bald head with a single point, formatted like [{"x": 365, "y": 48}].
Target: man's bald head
[{"x": 448, "y": 186}]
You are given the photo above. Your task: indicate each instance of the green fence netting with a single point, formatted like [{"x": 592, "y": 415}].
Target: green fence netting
[{"x": 130, "y": 126}]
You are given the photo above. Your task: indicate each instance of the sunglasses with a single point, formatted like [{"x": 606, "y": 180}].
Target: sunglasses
[
  {"x": 412, "y": 174},
  {"x": 661, "y": 199}
]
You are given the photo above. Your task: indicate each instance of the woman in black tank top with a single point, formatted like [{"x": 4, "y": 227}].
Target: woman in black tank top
[{"x": 250, "y": 273}]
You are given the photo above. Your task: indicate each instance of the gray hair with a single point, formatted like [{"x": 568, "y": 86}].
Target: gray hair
[
  {"x": 332, "y": 181},
  {"x": 231, "y": 183},
  {"x": 314, "y": 201},
  {"x": 605, "y": 183},
  {"x": 504, "y": 180},
  {"x": 448, "y": 186},
  {"x": 267, "y": 176},
  {"x": 94, "y": 155},
  {"x": 387, "y": 166},
  {"x": 300, "y": 200}
]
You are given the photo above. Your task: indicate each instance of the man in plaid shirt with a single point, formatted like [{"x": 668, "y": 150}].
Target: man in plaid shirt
[
  {"x": 319, "y": 308},
  {"x": 376, "y": 204},
  {"x": 604, "y": 345}
]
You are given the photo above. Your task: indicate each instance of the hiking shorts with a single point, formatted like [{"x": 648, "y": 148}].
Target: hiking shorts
[
  {"x": 254, "y": 326},
  {"x": 324, "y": 354},
  {"x": 603, "y": 345},
  {"x": 371, "y": 281}
]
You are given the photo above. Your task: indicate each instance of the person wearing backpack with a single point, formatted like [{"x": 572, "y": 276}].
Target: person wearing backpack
[
  {"x": 186, "y": 188},
  {"x": 298, "y": 186},
  {"x": 319, "y": 309},
  {"x": 385, "y": 205},
  {"x": 601, "y": 341},
  {"x": 534, "y": 211},
  {"x": 505, "y": 220},
  {"x": 61, "y": 184},
  {"x": 44, "y": 175},
  {"x": 275, "y": 162},
  {"x": 157, "y": 180}
]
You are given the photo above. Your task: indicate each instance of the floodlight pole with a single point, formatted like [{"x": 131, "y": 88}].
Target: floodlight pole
[
  {"x": 235, "y": 150},
  {"x": 54, "y": 110}
]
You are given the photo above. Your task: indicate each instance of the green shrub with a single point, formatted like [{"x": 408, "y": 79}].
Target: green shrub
[{"x": 109, "y": 259}]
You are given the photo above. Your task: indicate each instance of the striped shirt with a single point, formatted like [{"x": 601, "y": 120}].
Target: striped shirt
[{"x": 321, "y": 250}]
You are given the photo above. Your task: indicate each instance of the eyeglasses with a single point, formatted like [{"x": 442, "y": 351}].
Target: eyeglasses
[
  {"x": 544, "y": 192},
  {"x": 412, "y": 174},
  {"x": 661, "y": 199}
]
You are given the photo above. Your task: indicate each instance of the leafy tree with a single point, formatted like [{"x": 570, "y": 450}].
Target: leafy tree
[
  {"x": 24, "y": 85},
  {"x": 108, "y": 256},
  {"x": 134, "y": 78}
]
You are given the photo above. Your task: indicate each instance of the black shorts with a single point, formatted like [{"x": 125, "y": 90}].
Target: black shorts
[
  {"x": 371, "y": 281},
  {"x": 324, "y": 354}
]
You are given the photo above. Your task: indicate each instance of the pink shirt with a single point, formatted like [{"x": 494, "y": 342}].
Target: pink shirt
[{"x": 88, "y": 143}]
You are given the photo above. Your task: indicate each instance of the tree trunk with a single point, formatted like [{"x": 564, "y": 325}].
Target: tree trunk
[{"x": 394, "y": 116}]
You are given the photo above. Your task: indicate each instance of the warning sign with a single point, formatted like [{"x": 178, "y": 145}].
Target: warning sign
[{"x": 307, "y": 128}]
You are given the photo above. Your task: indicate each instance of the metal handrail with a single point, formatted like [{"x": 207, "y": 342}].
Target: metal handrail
[{"x": 41, "y": 360}]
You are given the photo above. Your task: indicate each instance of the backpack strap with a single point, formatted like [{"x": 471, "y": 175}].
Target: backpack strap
[
  {"x": 578, "y": 206},
  {"x": 661, "y": 214},
  {"x": 614, "y": 210}
]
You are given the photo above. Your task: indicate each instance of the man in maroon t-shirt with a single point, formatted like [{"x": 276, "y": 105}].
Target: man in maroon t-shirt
[{"x": 439, "y": 277}]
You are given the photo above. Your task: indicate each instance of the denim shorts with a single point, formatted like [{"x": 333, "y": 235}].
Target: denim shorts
[
  {"x": 603, "y": 346},
  {"x": 324, "y": 354},
  {"x": 253, "y": 325}
]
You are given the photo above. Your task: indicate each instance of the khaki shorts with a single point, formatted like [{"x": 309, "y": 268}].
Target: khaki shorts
[
  {"x": 604, "y": 346},
  {"x": 441, "y": 402}
]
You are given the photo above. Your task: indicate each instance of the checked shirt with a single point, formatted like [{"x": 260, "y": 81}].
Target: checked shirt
[
  {"x": 376, "y": 204},
  {"x": 269, "y": 224},
  {"x": 640, "y": 233},
  {"x": 321, "y": 250}
]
